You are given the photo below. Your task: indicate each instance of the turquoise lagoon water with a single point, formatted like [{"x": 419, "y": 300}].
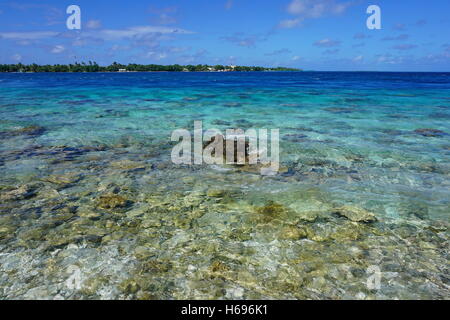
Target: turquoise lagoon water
[{"x": 92, "y": 206}]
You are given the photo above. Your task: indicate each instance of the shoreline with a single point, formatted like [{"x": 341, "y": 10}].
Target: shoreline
[{"x": 265, "y": 71}]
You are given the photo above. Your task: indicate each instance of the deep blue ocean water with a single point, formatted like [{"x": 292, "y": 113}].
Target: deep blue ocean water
[{"x": 322, "y": 80}]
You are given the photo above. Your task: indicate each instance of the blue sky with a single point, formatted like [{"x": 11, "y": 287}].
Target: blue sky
[{"x": 309, "y": 34}]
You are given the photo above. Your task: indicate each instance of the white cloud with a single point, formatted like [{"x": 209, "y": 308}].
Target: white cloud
[
  {"x": 396, "y": 38},
  {"x": 133, "y": 32},
  {"x": 243, "y": 40},
  {"x": 399, "y": 27},
  {"x": 296, "y": 7},
  {"x": 295, "y": 58},
  {"x": 105, "y": 34},
  {"x": 290, "y": 23},
  {"x": 389, "y": 59},
  {"x": 165, "y": 15},
  {"x": 316, "y": 8},
  {"x": 58, "y": 49},
  {"x": 361, "y": 36},
  {"x": 231, "y": 60},
  {"x": 156, "y": 55},
  {"x": 278, "y": 52},
  {"x": 383, "y": 58},
  {"x": 327, "y": 43},
  {"x": 358, "y": 45},
  {"x": 331, "y": 51},
  {"x": 404, "y": 47},
  {"x": 17, "y": 57},
  {"x": 197, "y": 56},
  {"x": 93, "y": 24},
  {"x": 178, "y": 49},
  {"x": 340, "y": 7},
  {"x": 358, "y": 58},
  {"x": 421, "y": 22},
  {"x": 33, "y": 35},
  {"x": 228, "y": 4},
  {"x": 164, "y": 18},
  {"x": 117, "y": 47},
  {"x": 312, "y": 9}
]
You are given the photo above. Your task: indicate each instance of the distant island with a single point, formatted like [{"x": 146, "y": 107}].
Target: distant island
[{"x": 117, "y": 67}]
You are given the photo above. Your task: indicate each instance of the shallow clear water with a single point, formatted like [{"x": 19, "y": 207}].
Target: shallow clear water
[{"x": 87, "y": 184}]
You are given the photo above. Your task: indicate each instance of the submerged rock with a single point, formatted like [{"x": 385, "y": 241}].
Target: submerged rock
[
  {"x": 309, "y": 209},
  {"x": 236, "y": 144},
  {"x": 347, "y": 232},
  {"x": 309, "y": 216},
  {"x": 218, "y": 267},
  {"x": 293, "y": 233},
  {"x": 414, "y": 208},
  {"x": 295, "y": 137},
  {"x": 338, "y": 110},
  {"x": 355, "y": 214},
  {"x": 85, "y": 213},
  {"x": 93, "y": 284},
  {"x": 270, "y": 211},
  {"x": 221, "y": 123},
  {"x": 7, "y": 231},
  {"x": 23, "y": 192},
  {"x": 156, "y": 266},
  {"x": 129, "y": 286},
  {"x": 36, "y": 233},
  {"x": 112, "y": 201},
  {"x": 427, "y": 132},
  {"x": 215, "y": 193},
  {"x": 191, "y": 98},
  {"x": 128, "y": 165},
  {"x": 63, "y": 180},
  {"x": 30, "y": 131},
  {"x": 438, "y": 226}
]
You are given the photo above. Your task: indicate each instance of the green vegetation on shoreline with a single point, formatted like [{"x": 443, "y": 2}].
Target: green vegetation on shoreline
[{"x": 117, "y": 67}]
